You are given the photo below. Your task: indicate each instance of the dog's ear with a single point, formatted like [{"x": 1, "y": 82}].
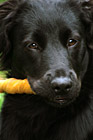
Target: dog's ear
[
  {"x": 8, "y": 12},
  {"x": 87, "y": 19}
]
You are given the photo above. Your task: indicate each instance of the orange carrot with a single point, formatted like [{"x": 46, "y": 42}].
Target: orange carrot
[{"x": 14, "y": 86}]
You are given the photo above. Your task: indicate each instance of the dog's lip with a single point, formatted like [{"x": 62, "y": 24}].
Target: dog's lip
[{"x": 62, "y": 100}]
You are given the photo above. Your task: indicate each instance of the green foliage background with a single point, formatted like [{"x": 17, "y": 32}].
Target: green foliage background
[
  {"x": 1, "y": 100},
  {"x": 2, "y": 75},
  {"x": 2, "y": 0}
]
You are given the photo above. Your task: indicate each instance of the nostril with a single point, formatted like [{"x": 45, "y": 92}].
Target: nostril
[
  {"x": 57, "y": 89},
  {"x": 68, "y": 86}
]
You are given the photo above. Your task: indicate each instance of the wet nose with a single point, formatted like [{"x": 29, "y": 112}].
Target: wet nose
[{"x": 62, "y": 84}]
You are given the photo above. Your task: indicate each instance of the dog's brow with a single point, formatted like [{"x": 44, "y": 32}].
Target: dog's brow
[{"x": 25, "y": 42}]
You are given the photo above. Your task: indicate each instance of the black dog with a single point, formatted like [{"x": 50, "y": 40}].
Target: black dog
[{"x": 50, "y": 42}]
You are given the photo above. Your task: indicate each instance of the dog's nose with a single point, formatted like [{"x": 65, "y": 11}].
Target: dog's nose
[{"x": 61, "y": 85}]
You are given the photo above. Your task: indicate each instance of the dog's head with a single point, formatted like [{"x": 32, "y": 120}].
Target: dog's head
[{"x": 47, "y": 41}]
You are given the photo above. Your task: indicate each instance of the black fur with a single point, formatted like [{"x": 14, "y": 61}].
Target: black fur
[{"x": 49, "y": 24}]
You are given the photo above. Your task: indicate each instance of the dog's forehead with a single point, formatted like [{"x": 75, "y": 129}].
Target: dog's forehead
[
  {"x": 49, "y": 13},
  {"x": 50, "y": 8},
  {"x": 49, "y": 17}
]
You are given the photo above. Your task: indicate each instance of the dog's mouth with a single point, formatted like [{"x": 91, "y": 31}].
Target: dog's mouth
[{"x": 61, "y": 101}]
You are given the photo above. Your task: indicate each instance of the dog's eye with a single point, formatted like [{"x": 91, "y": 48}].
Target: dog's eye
[
  {"x": 71, "y": 42},
  {"x": 33, "y": 46}
]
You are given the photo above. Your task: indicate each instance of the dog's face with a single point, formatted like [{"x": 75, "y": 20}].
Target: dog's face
[{"x": 49, "y": 48}]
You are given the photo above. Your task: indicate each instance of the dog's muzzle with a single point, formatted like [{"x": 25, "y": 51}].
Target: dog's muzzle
[{"x": 57, "y": 89}]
